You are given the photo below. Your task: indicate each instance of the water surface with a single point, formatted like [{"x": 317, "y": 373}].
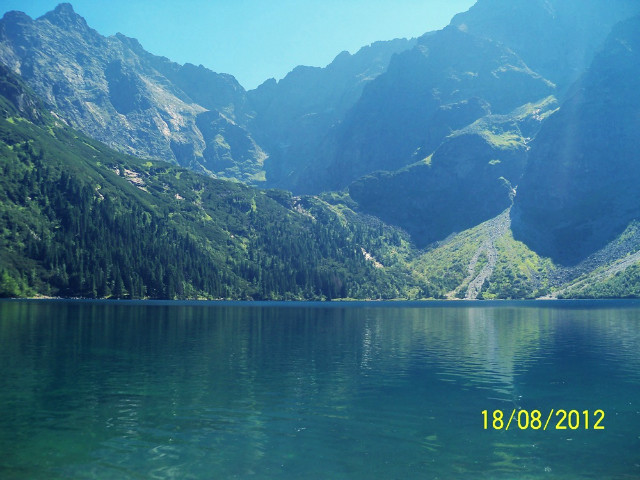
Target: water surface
[{"x": 338, "y": 391}]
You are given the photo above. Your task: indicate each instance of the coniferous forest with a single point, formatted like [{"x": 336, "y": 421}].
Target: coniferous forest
[{"x": 79, "y": 220}]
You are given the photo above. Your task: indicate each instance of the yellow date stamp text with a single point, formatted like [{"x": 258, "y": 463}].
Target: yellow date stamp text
[{"x": 556, "y": 419}]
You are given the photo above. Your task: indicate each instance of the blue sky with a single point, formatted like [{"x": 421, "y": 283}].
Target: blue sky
[{"x": 256, "y": 39}]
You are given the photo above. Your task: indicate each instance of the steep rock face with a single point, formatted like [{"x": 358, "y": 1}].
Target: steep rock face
[
  {"x": 431, "y": 201},
  {"x": 229, "y": 150},
  {"x": 400, "y": 111},
  {"x": 556, "y": 38},
  {"x": 110, "y": 89},
  {"x": 449, "y": 118},
  {"x": 18, "y": 99},
  {"x": 469, "y": 179},
  {"x": 214, "y": 91},
  {"x": 581, "y": 186},
  {"x": 294, "y": 114}
]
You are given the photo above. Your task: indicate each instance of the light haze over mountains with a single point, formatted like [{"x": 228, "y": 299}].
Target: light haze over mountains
[
  {"x": 252, "y": 39},
  {"x": 511, "y": 133}
]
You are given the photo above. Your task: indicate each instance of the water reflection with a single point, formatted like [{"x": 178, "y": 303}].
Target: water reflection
[{"x": 103, "y": 390}]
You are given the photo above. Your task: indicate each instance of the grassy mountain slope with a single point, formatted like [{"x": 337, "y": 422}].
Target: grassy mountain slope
[{"x": 486, "y": 262}]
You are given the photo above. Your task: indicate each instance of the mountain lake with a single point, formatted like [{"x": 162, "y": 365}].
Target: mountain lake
[{"x": 431, "y": 390}]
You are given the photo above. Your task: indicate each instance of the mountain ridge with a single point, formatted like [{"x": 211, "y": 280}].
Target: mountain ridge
[
  {"x": 557, "y": 38},
  {"x": 109, "y": 88},
  {"x": 296, "y": 113},
  {"x": 393, "y": 116}
]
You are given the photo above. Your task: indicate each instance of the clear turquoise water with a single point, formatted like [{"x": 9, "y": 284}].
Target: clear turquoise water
[{"x": 305, "y": 391}]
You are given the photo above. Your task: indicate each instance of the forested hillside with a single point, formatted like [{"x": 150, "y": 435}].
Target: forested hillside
[{"x": 78, "y": 219}]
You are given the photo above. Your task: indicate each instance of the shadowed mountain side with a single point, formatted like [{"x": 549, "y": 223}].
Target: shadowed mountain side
[
  {"x": 463, "y": 185},
  {"x": 397, "y": 112},
  {"x": 581, "y": 186},
  {"x": 469, "y": 179},
  {"x": 20, "y": 100},
  {"x": 556, "y": 38},
  {"x": 294, "y": 114}
]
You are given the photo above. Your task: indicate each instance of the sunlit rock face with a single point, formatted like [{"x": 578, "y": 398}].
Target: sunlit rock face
[{"x": 116, "y": 92}]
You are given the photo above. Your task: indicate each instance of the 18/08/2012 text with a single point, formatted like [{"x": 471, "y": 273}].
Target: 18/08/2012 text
[{"x": 562, "y": 419}]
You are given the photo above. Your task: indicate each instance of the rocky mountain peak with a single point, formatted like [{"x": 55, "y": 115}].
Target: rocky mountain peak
[
  {"x": 15, "y": 16},
  {"x": 132, "y": 43},
  {"x": 64, "y": 16},
  {"x": 556, "y": 38},
  {"x": 141, "y": 104},
  {"x": 64, "y": 9}
]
